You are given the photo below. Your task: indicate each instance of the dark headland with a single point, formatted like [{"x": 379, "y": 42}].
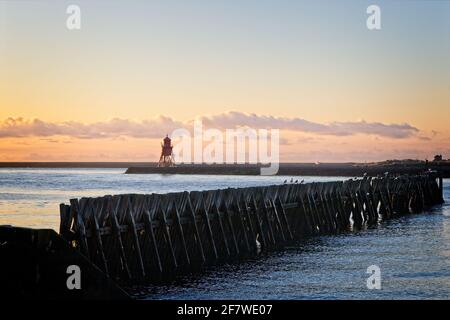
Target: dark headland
[{"x": 73, "y": 164}]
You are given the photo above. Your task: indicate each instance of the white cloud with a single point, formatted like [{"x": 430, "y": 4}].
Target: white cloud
[
  {"x": 156, "y": 127},
  {"x": 233, "y": 118},
  {"x": 153, "y": 128}
]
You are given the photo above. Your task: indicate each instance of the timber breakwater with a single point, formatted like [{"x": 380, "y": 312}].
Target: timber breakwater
[{"x": 136, "y": 238}]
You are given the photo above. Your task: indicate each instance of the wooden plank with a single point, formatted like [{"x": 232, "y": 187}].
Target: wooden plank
[
  {"x": 181, "y": 231},
  {"x": 259, "y": 224},
  {"x": 232, "y": 208},
  {"x": 204, "y": 213},
  {"x": 161, "y": 213},
  {"x": 248, "y": 218},
  {"x": 98, "y": 237},
  {"x": 241, "y": 214},
  {"x": 65, "y": 220},
  {"x": 147, "y": 218},
  {"x": 117, "y": 234},
  {"x": 277, "y": 218},
  {"x": 283, "y": 214},
  {"x": 222, "y": 230},
  {"x": 191, "y": 214},
  {"x": 80, "y": 227},
  {"x": 137, "y": 247}
]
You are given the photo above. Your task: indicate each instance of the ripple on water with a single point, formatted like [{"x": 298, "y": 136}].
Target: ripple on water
[{"x": 413, "y": 252}]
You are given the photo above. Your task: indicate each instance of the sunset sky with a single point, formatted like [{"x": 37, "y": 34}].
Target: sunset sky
[{"x": 137, "y": 70}]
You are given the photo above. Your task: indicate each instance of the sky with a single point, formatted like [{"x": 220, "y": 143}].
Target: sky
[{"x": 136, "y": 70}]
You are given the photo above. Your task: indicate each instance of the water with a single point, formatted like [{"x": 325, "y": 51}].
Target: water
[
  {"x": 31, "y": 197},
  {"x": 413, "y": 252}
]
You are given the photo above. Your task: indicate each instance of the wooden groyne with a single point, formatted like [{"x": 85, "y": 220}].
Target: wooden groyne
[
  {"x": 152, "y": 237},
  {"x": 34, "y": 264}
]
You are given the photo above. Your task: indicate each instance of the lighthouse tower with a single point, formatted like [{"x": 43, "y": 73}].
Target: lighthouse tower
[{"x": 166, "y": 159}]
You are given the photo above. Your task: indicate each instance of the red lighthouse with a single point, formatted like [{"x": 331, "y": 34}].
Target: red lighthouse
[{"x": 166, "y": 159}]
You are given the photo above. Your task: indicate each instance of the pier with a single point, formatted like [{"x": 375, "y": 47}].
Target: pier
[
  {"x": 135, "y": 238},
  {"x": 298, "y": 169}
]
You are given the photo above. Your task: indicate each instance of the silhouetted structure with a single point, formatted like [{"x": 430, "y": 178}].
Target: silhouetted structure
[
  {"x": 438, "y": 157},
  {"x": 155, "y": 237},
  {"x": 166, "y": 159}
]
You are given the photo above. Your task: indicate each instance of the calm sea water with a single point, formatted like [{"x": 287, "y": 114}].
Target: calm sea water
[
  {"x": 31, "y": 197},
  {"x": 413, "y": 252}
]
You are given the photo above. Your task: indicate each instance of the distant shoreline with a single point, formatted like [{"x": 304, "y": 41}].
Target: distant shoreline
[
  {"x": 285, "y": 169},
  {"x": 298, "y": 169},
  {"x": 73, "y": 164}
]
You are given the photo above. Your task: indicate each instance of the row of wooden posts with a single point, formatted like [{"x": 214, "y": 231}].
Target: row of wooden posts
[{"x": 134, "y": 237}]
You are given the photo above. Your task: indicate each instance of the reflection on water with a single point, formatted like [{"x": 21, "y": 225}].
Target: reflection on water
[{"x": 413, "y": 251}]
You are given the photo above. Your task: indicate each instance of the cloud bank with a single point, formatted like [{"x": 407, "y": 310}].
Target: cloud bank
[
  {"x": 233, "y": 118},
  {"x": 156, "y": 127}
]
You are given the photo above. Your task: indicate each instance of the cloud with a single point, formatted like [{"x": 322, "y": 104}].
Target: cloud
[
  {"x": 156, "y": 127},
  {"x": 233, "y": 118}
]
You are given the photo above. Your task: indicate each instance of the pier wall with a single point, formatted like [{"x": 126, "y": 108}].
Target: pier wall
[
  {"x": 135, "y": 237},
  {"x": 297, "y": 169}
]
